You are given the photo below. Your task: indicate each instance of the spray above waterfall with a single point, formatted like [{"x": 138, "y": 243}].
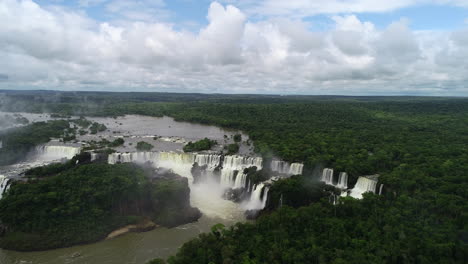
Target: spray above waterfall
[{"x": 220, "y": 172}]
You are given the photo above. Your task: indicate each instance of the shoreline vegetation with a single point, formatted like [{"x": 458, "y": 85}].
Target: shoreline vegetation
[
  {"x": 416, "y": 144},
  {"x": 80, "y": 202}
]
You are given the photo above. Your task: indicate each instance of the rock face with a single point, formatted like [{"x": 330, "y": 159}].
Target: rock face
[{"x": 236, "y": 195}]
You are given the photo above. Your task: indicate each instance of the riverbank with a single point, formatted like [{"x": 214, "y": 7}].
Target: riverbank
[{"x": 144, "y": 226}]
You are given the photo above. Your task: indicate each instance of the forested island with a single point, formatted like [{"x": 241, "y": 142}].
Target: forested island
[
  {"x": 416, "y": 144},
  {"x": 80, "y": 202}
]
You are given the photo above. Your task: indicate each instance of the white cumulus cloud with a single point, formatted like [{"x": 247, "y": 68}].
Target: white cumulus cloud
[{"x": 55, "y": 48}]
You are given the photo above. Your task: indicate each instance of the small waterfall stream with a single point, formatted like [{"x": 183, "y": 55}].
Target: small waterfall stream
[{"x": 3, "y": 185}]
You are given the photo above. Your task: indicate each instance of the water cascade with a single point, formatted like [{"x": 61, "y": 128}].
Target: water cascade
[
  {"x": 3, "y": 185},
  {"x": 327, "y": 176},
  {"x": 235, "y": 165},
  {"x": 283, "y": 167},
  {"x": 342, "y": 180},
  {"x": 231, "y": 175},
  {"x": 380, "y": 189},
  {"x": 241, "y": 180},
  {"x": 296, "y": 168},
  {"x": 363, "y": 184},
  {"x": 51, "y": 153},
  {"x": 259, "y": 197},
  {"x": 210, "y": 160}
]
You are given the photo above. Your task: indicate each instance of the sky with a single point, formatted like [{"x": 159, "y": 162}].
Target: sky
[{"x": 319, "y": 47}]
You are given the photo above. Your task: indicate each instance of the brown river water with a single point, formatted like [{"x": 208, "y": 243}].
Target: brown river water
[{"x": 139, "y": 248}]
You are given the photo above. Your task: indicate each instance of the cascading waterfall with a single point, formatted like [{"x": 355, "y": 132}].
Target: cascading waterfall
[
  {"x": 233, "y": 165},
  {"x": 232, "y": 169},
  {"x": 3, "y": 185},
  {"x": 210, "y": 160},
  {"x": 342, "y": 180},
  {"x": 50, "y": 153},
  {"x": 327, "y": 176},
  {"x": 241, "y": 180},
  {"x": 363, "y": 184},
  {"x": 258, "y": 198},
  {"x": 380, "y": 189},
  {"x": 279, "y": 166},
  {"x": 283, "y": 167},
  {"x": 296, "y": 168}
]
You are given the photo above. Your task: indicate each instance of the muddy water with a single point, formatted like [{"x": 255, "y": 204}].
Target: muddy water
[
  {"x": 135, "y": 248},
  {"x": 161, "y": 242}
]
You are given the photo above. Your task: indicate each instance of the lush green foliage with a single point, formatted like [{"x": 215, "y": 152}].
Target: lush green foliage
[
  {"x": 203, "y": 144},
  {"x": 418, "y": 148},
  {"x": 237, "y": 138},
  {"x": 17, "y": 142},
  {"x": 350, "y": 232},
  {"x": 74, "y": 204},
  {"x": 417, "y": 145},
  {"x": 143, "y": 146},
  {"x": 96, "y": 127},
  {"x": 117, "y": 142},
  {"x": 232, "y": 149}
]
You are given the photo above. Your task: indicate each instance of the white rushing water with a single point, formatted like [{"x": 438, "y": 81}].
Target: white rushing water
[
  {"x": 342, "y": 181},
  {"x": 258, "y": 198},
  {"x": 3, "y": 185},
  {"x": 207, "y": 194},
  {"x": 284, "y": 167},
  {"x": 51, "y": 153},
  {"x": 363, "y": 185},
  {"x": 327, "y": 176}
]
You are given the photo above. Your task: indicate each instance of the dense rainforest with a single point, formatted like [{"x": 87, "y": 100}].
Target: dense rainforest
[
  {"x": 418, "y": 146},
  {"x": 79, "y": 202},
  {"x": 18, "y": 142}
]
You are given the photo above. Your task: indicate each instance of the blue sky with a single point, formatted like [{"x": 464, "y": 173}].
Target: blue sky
[
  {"x": 237, "y": 46},
  {"x": 426, "y": 16}
]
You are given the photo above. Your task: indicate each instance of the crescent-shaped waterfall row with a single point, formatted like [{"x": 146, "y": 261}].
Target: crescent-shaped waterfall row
[{"x": 230, "y": 169}]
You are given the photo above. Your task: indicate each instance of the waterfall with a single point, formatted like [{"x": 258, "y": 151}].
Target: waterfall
[
  {"x": 296, "y": 168},
  {"x": 327, "y": 176},
  {"x": 181, "y": 163},
  {"x": 210, "y": 160},
  {"x": 241, "y": 180},
  {"x": 239, "y": 162},
  {"x": 50, "y": 153},
  {"x": 279, "y": 166},
  {"x": 342, "y": 180},
  {"x": 235, "y": 163},
  {"x": 284, "y": 167},
  {"x": 94, "y": 156},
  {"x": 3, "y": 185},
  {"x": 257, "y": 200},
  {"x": 363, "y": 184},
  {"x": 228, "y": 178},
  {"x": 380, "y": 189}
]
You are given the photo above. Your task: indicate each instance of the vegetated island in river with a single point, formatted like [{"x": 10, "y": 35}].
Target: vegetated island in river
[{"x": 80, "y": 202}]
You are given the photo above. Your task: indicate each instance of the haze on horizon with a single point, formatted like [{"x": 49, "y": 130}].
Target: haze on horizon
[{"x": 352, "y": 47}]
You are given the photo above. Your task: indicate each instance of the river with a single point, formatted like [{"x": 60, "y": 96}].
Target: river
[{"x": 162, "y": 242}]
